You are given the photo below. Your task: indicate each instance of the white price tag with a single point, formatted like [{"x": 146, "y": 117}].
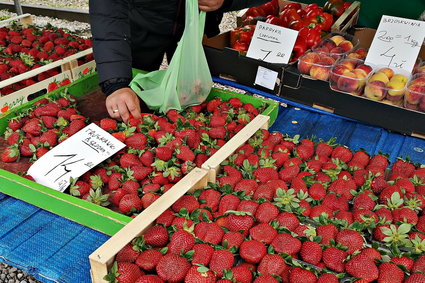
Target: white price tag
[
  {"x": 73, "y": 157},
  {"x": 396, "y": 43},
  {"x": 271, "y": 43},
  {"x": 266, "y": 77}
]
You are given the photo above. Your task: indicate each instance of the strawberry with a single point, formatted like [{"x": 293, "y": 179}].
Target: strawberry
[
  {"x": 127, "y": 254},
  {"x": 209, "y": 232},
  {"x": 242, "y": 273},
  {"x": 181, "y": 242},
  {"x": 137, "y": 141},
  {"x": 288, "y": 220},
  {"x": 156, "y": 236},
  {"x": 185, "y": 153},
  {"x": 50, "y": 137},
  {"x": 419, "y": 265},
  {"x": 32, "y": 127},
  {"x": 265, "y": 278},
  {"x": 333, "y": 259},
  {"x": 202, "y": 254},
  {"x": 288, "y": 173},
  {"x": 16, "y": 123},
  {"x": 10, "y": 154},
  {"x": 327, "y": 232},
  {"x": 342, "y": 153},
  {"x": 231, "y": 239},
  {"x": 265, "y": 174},
  {"x": 108, "y": 124},
  {"x": 130, "y": 202},
  {"x": 79, "y": 188},
  {"x": 405, "y": 215},
  {"x": 172, "y": 268},
  {"x": 318, "y": 210},
  {"x": 74, "y": 127},
  {"x": 363, "y": 201},
  {"x": 272, "y": 264},
  {"x": 129, "y": 160},
  {"x": 131, "y": 187},
  {"x": 200, "y": 274},
  {"x": 263, "y": 232},
  {"x": 147, "y": 158},
  {"x": 415, "y": 278},
  {"x": 327, "y": 278},
  {"x": 285, "y": 243},
  {"x": 317, "y": 191},
  {"x": 301, "y": 275},
  {"x": 49, "y": 121},
  {"x": 14, "y": 138},
  {"x": 266, "y": 212},
  {"x": 252, "y": 251},
  {"x": 362, "y": 267},
  {"x": 304, "y": 152},
  {"x": 163, "y": 153},
  {"x": 406, "y": 261},
  {"x": 220, "y": 260},
  {"x": 149, "y": 198},
  {"x": 148, "y": 260},
  {"x": 124, "y": 272},
  {"x": 351, "y": 239},
  {"x": 311, "y": 252},
  {"x": 188, "y": 202},
  {"x": 116, "y": 196},
  {"x": 217, "y": 133},
  {"x": 228, "y": 202},
  {"x": 402, "y": 168},
  {"x": 389, "y": 272}
]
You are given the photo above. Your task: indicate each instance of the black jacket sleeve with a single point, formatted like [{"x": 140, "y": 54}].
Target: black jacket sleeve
[
  {"x": 110, "y": 28},
  {"x": 234, "y": 5}
]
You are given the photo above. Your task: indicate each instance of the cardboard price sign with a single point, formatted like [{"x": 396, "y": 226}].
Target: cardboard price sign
[
  {"x": 396, "y": 43},
  {"x": 74, "y": 157},
  {"x": 271, "y": 43}
]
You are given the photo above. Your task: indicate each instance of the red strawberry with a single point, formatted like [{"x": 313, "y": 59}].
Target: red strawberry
[
  {"x": 210, "y": 198},
  {"x": 32, "y": 127},
  {"x": 220, "y": 260},
  {"x": 130, "y": 202},
  {"x": 185, "y": 153},
  {"x": 300, "y": 275},
  {"x": 181, "y": 242},
  {"x": 137, "y": 141},
  {"x": 242, "y": 273},
  {"x": 334, "y": 259},
  {"x": 415, "y": 278},
  {"x": 108, "y": 124},
  {"x": 406, "y": 261},
  {"x": 148, "y": 260},
  {"x": 125, "y": 272},
  {"x": 263, "y": 232},
  {"x": 129, "y": 160},
  {"x": 10, "y": 154},
  {"x": 231, "y": 239},
  {"x": 237, "y": 222},
  {"x": 156, "y": 236},
  {"x": 265, "y": 174},
  {"x": 209, "y": 232},
  {"x": 304, "y": 152},
  {"x": 197, "y": 274},
  {"x": 217, "y": 133},
  {"x": 265, "y": 278},
  {"x": 311, "y": 252},
  {"x": 266, "y": 212},
  {"x": 285, "y": 243},
  {"x": 228, "y": 202},
  {"x": 80, "y": 188},
  {"x": 342, "y": 153},
  {"x": 202, "y": 254},
  {"x": 252, "y": 251},
  {"x": 327, "y": 278},
  {"x": 50, "y": 137},
  {"x": 127, "y": 254},
  {"x": 172, "y": 268},
  {"x": 272, "y": 264},
  {"x": 362, "y": 267},
  {"x": 163, "y": 153},
  {"x": 327, "y": 232},
  {"x": 351, "y": 239},
  {"x": 188, "y": 202},
  {"x": 419, "y": 265},
  {"x": 389, "y": 272},
  {"x": 405, "y": 214}
]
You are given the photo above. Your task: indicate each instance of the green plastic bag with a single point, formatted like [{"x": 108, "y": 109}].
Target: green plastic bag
[{"x": 187, "y": 80}]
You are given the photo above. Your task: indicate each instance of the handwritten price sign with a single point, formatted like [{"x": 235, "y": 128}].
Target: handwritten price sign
[
  {"x": 271, "y": 43},
  {"x": 396, "y": 43},
  {"x": 73, "y": 157}
]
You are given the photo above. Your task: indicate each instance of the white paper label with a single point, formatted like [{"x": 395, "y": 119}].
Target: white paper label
[
  {"x": 396, "y": 43},
  {"x": 266, "y": 77},
  {"x": 271, "y": 43},
  {"x": 73, "y": 157}
]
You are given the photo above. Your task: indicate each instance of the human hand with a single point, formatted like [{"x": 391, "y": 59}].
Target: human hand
[
  {"x": 210, "y": 5},
  {"x": 123, "y": 102}
]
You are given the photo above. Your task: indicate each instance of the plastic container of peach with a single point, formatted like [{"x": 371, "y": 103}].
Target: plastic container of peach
[
  {"x": 337, "y": 45},
  {"x": 419, "y": 67},
  {"x": 349, "y": 75},
  {"x": 387, "y": 85},
  {"x": 414, "y": 98},
  {"x": 315, "y": 65}
]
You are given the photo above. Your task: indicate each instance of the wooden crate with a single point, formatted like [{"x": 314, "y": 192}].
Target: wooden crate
[
  {"x": 78, "y": 72},
  {"x": 24, "y": 20},
  {"x": 213, "y": 163},
  {"x": 102, "y": 259}
]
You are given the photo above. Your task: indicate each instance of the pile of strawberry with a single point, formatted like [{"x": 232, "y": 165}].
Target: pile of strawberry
[
  {"x": 25, "y": 49},
  {"x": 159, "y": 152},
  {"x": 41, "y": 127},
  {"x": 285, "y": 210}
]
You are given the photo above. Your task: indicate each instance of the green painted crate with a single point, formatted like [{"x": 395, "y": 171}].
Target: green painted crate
[{"x": 80, "y": 211}]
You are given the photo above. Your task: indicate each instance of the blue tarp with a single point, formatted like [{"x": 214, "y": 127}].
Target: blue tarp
[{"x": 55, "y": 249}]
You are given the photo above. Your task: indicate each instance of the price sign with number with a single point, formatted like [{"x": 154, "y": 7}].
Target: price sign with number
[
  {"x": 271, "y": 43},
  {"x": 73, "y": 157},
  {"x": 396, "y": 43}
]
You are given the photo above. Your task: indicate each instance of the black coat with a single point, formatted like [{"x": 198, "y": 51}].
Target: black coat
[{"x": 137, "y": 33}]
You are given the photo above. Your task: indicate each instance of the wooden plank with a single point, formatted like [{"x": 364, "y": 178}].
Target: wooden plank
[
  {"x": 78, "y": 72},
  {"x": 25, "y": 20},
  {"x": 102, "y": 258},
  {"x": 44, "y": 68},
  {"x": 337, "y": 25},
  {"x": 213, "y": 163}
]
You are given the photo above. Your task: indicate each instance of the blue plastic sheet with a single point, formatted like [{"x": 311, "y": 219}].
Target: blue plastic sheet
[{"x": 55, "y": 249}]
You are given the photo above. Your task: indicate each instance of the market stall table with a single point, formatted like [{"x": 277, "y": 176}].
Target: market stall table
[{"x": 55, "y": 249}]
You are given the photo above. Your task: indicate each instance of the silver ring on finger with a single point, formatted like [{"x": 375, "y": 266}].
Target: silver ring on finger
[{"x": 115, "y": 111}]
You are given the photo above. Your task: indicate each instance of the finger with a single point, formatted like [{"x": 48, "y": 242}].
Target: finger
[
  {"x": 123, "y": 111},
  {"x": 134, "y": 108}
]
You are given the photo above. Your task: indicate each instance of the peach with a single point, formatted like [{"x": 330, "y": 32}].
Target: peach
[
  {"x": 362, "y": 52},
  {"x": 337, "y": 51},
  {"x": 346, "y": 45},
  {"x": 338, "y": 71},
  {"x": 307, "y": 61},
  {"x": 420, "y": 69},
  {"x": 414, "y": 93},
  {"x": 411, "y": 106},
  {"x": 365, "y": 68},
  {"x": 395, "y": 90},
  {"x": 379, "y": 77},
  {"x": 360, "y": 73},
  {"x": 337, "y": 39},
  {"x": 348, "y": 82},
  {"x": 422, "y": 105},
  {"x": 375, "y": 90},
  {"x": 387, "y": 71},
  {"x": 354, "y": 55},
  {"x": 399, "y": 78},
  {"x": 418, "y": 81},
  {"x": 320, "y": 72}
]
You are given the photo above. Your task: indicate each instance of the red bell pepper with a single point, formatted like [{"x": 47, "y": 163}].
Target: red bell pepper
[
  {"x": 241, "y": 47},
  {"x": 271, "y": 8},
  {"x": 311, "y": 35},
  {"x": 289, "y": 15},
  {"x": 254, "y": 12},
  {"x": 294, "y": 5},
  {"x": 274, "y": 20},
  {"x": 309, "y": 7},
  {"x": 300, "y": 48}
]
